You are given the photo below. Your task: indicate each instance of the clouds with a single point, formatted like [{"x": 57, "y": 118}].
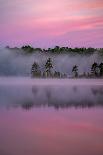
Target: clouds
[
  {"x": 85, "y": 4},
  {"x": 44, "y": 9},
  {"x": 46, "y": 18}
]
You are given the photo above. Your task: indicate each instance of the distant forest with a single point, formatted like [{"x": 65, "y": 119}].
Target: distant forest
[
  {"x": 57, "y": 50},
  {"x": 37, "y": 62}
]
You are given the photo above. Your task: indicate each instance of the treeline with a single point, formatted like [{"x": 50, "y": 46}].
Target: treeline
[
  {"x": 29, "y": 49},
  {"x": 49, "y": 72},
  {"x": 96, "y": 71}
]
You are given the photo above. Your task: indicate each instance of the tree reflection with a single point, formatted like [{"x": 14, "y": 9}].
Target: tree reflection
[{"x": 59, "y": 97}]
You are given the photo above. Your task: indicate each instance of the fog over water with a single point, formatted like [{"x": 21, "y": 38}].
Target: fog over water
[
  {"x": 49, "y": 116},
  {"x": 47, "y": 92},
  {"x": 57, "y": 93},
  {"x": 28, "y": 93},
  {"x": 16, "y": 63}
]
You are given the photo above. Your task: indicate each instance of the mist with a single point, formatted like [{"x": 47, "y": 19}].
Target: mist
[
  {"x": 26, "y": 93},
  {"x": 17, "y": 63}
]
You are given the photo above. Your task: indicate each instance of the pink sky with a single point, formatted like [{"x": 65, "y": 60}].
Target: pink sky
[{"x": 46, "y": 23}]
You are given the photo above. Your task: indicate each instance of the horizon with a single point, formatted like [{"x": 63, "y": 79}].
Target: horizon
[{"x": 48, "y": 23}]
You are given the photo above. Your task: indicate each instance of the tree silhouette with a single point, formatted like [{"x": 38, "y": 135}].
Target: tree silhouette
[
  {"x": 27, "y": 49},
  {"x": 94, "y": 69},
  {"x": 48, "y": 66},
  {"x": 101, "y": 69},
  {"x": 35, "y": 70},
  {"x": 35, "y": 67},
  {"x": 75, "y": 71}
]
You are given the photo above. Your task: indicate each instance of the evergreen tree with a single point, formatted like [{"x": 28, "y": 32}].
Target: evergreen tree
[
  {"x": 48, "y": 66},
  {"x": 75, "y": 71},
  {"x": 101, "y": 69},
  {"x": 35, "y": 70},
  {"x": 35, "y": 67},
  {"x": 95, "y": 69}
]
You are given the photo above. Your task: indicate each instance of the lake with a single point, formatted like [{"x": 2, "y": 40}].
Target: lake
[{"x": 51, "y": 117}]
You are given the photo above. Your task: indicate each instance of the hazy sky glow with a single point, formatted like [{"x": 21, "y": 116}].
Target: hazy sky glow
[{"x": 44, "y": 23}]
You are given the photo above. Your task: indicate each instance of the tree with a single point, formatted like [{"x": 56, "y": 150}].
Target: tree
[
  {"x": 35, "y": 67},
  {"x": 101, "y": 69},
  {"x": 48, "y": 66},
  {"x": 35, "y": 70},
  {"x": 75, "y": 71},
  {"x": 95, "y": 69},
  {"x": 27, "y": 49}
]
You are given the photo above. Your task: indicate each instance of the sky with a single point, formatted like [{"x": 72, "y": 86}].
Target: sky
[{"x": 47, "y": 23}]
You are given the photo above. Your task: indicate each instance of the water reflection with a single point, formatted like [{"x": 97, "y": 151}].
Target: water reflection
[
  {"x": 28, "y": 97},
  {"x": 46, "y": 131}
]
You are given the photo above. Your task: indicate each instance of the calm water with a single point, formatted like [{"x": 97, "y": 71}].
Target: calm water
[{"x": 51, "y": 117}]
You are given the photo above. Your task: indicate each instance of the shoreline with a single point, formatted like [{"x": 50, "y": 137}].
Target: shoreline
[{"x": 50, "y": 82}]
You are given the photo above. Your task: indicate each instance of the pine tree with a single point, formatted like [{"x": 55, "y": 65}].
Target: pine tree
[
  {"x": 35, "y": 67},
  {"x": 95, "y": 69},
  {"x": 75, "y": 71},
  {"x": 48, "y": 66},
  {"x": 101, "y": 69},
  {"x": 35, "y": 70}
]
